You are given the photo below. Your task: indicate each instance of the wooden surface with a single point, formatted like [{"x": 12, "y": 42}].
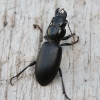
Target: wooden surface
[{"x": 19, "y": 45}]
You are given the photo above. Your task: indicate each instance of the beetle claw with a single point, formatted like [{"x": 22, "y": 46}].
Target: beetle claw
[
  {"x": 76, "y": 40},
  {"x": 11, "y": 80}
]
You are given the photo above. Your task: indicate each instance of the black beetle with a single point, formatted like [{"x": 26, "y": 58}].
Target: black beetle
[{"x": 49, "y": 58}]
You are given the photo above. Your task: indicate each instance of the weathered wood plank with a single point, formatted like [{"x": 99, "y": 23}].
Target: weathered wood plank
[{"x": 19, "y": 45}]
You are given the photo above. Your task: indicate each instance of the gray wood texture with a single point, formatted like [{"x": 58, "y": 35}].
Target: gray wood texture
[{"x": 19, "y": 45}]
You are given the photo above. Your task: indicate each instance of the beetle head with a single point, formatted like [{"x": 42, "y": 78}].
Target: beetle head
[{"x": 61, "y": 12}]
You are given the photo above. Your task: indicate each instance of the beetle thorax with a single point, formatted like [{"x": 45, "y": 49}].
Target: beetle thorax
[{"x": 55, "y": 33}]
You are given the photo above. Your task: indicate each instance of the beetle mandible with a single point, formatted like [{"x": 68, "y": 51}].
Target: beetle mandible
[{"x": 49, "y": 57}]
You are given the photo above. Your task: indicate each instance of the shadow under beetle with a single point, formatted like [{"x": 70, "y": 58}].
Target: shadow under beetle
[{"x": 49, "y": 58}]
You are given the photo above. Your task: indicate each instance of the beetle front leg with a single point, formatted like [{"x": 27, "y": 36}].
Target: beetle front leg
[
  {"x": 67, "y": 37},
  {"x": 41, "y": 31},
  {"x": 69, "y": 44},
  {"x": 37, "y": 26}
]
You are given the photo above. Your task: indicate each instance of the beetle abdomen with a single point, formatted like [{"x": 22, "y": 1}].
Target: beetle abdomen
[{"x": 48, "y": 63}]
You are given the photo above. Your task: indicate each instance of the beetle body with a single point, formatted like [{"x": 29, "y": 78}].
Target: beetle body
[
  {"x": 48, "y": 63},
  {"x": 49, "y": 58}
]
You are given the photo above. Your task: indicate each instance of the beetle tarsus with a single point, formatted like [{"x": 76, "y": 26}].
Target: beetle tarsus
[
  {"x": 67, "y": 96},
  {"x": 37, "y": 26},
  {"x": 63, "y": 87},
  {"x": 76, "y": 40},
  {"x": 11, "y": 80}
]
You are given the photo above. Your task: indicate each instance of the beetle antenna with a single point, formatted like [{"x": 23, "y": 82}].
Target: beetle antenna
[
  {"x": 31, "y": 64},
  {"x": 63, "y": 87},
  {"x": 70, "y": 30}
]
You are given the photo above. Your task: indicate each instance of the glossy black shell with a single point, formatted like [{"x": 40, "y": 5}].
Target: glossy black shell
[
  {"x": 48, "y": 63},
  {"x": 55, "y": 33}
]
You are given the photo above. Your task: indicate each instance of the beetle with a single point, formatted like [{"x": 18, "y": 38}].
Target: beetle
[{"x": 49, "y": 57}]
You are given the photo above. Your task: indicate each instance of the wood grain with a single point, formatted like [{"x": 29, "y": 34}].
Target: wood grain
[{"x": 20, "y": 43}]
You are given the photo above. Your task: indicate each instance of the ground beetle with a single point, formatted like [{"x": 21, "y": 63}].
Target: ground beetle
[{"x": 49, "y": 58}]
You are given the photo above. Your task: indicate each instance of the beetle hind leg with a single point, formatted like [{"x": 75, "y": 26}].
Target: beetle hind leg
[
  {"x": 31, "y": 64},
  {"x": 63, "y": 87}
]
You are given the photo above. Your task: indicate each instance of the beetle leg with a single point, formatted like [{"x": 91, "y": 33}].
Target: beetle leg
[
  {"x": 63, "y": 87},
  {"x": 66, "y": 44},
  {"x": 69, "y": 44},
  {"x": 31, "y": 64},
  {"x": 37, "y": 26},
  {"x": 67, "y": 37},
  {"x": 76, "y": 41}
]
